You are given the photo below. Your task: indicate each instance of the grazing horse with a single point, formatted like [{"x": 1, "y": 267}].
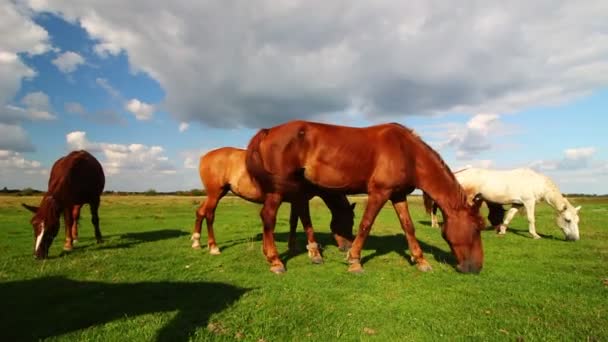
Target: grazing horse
[
  {"x": 223, "y": 170},
  {"x": 76, "y": 179},
  {"x": 520, "y": 188},
  {"x": 385, "y": 161}
]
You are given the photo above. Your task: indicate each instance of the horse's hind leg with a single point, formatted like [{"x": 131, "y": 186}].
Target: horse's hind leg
[
  {"x": 67, "y": 216},
  {"x": 207, "y": 210},
  {"x": 530, "y": 205},
  {"x": 95, "y": 220},
  {"x": 75, "y": 217},
  {"x": 198, "y": 222},
  {"x": 269, "y": 219},
  {"x": 402, "y": 210},
  {"x": 314, "y": 252},
  {"x": 293, "y": 225}
]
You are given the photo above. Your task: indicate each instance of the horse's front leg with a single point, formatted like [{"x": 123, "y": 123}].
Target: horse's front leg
[
  {"x": 402, "y": 210},
  {"x": 75, "y": 219},
  {"x": 375, "y": 202},
  {"x": 67, "y": 217},
  {"x": 530, "y": 206},
  {"x": 269, "y": 219},
  {"x": 510, "y": 214}
]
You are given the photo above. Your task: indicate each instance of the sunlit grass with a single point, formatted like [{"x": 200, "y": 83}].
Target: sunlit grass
[{"x": 146, "y": 283}]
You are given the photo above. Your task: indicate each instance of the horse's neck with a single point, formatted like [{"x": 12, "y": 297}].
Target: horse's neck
[
  {"x": 554, "y": 198},
  {"x": 443, "y": 188}
]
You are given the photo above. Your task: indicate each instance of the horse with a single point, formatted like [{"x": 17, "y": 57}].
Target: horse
[
  {"x": 519, "y": 188},
  {"x": 224, "y": 170},
  {"x": 75, "y": 179},
  {"x": 386, "y": 161}
]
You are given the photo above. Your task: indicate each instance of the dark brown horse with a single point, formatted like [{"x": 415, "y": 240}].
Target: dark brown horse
[
  {"x": 224, "y": 170},
  {"x": 76, "y": 179},
  {"x": 386, "y": 161}
]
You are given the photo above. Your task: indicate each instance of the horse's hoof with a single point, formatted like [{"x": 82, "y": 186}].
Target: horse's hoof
[
  {"x": 355, "y": 268},
  {"x": 196, "y": 246},
  {"x": 75, "y": 241},
  {"x": 214, "y": 251},
  {"x": 68, "y": 248},
  {"x": 279, "y": 269},
  {"x": 317, "y": 260},
  {"x": 99, "y": 241},
  {"x": 424, "y": 267},
  {"x": 536, "y": 237}
]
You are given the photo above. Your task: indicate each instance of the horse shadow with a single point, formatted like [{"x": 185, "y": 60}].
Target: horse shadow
[
  {"x": 380, "y": 244},
  {"x": 52, "y": 306},
  {"x": 128, "y": 240},
  {"x": 525, "y": 233}
]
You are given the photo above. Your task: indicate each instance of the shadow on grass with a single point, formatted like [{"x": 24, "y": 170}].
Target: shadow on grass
[
  {"x": 525, "y": 233},
  {"x": 129, "y": 240},
  {"x": 381, "y": 245},
  {"x": 52, "y": 306}
]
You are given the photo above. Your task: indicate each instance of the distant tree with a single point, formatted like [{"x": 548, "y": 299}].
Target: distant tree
[{"x": 150, "y": 192}]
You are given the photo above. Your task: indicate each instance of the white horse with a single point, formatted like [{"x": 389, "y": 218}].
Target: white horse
[{"x": 520, "y": 187}]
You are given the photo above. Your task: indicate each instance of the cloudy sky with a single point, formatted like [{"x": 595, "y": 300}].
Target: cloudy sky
[{"x": 149, "y": 85}]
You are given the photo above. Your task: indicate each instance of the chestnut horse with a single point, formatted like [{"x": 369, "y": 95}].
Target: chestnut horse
[
  {"x": 76, "y": 179},
  {"x": 385, "y": 161},
  {"x": 223, "y": 170}
]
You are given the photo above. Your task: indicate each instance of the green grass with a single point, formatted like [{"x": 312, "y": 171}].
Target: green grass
[{"x": 145, "y": 283}]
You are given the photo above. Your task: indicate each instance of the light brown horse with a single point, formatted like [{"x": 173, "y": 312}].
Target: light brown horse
[
  {"x": 224, "y": 170},
  {"x": 386, "y": 161},
  {"x": 75, "y": 179}
]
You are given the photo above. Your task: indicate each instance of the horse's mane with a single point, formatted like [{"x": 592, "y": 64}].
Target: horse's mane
[{"x": 460, "y": 191}]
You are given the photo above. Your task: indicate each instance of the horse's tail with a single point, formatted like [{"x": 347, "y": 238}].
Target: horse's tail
[
  {"x": 428, "y": 202},
  {"x": 255, "y": 164}
]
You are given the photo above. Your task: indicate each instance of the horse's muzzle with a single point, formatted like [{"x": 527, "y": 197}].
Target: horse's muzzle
[{"x": 468, "y": 266}]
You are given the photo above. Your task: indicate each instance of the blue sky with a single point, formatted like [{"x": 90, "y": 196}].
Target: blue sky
[{"x": 149, "y": 86}]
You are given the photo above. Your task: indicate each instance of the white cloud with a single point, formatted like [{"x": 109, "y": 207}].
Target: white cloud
[
  {"x": 103, "y": 83},
  {"x": 68, "y": 61},
  {"x": 573, "y": 159},
  {"x": 124, "y": 160},
  {"x": 276, "y": 61},
  {"x": 18, "y": 172},
  {"x": 183, "y": 126},
  {"x": 18, "y": 35},
  {"x": 141, "y": 110},
  {"x": 472, "y": 138},
  {"x": 14, "y": 138},
  {"x": 75, "y": 108},
  {"x": 37, "y": 105}
]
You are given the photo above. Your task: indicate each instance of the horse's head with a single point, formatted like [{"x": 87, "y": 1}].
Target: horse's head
[
  {"x": 567, "y": 220},
  {"x": 45, "y": 223},
  {"x": 463, "y": 233}
]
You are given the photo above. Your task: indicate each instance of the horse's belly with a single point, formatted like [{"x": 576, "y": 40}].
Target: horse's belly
[{"x": 330, "y": 178}]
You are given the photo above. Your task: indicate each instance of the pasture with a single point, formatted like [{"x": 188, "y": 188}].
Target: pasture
[{"x": 145, "y": 283}]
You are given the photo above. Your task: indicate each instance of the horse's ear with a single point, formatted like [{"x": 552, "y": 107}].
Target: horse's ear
[
  {"x": 30, "y": 208},
  {"x": 352, "y": 206},
  {"x": 577, "y": 208}
]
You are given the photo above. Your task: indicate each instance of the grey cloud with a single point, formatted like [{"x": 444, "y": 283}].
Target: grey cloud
[{"x": 255, "y": 64}]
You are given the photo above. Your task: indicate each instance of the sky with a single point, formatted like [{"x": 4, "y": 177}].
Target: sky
[{"x": 148, "y": 86}]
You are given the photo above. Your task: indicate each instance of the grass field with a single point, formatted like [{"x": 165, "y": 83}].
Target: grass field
[{"x": 145, "y": 283}]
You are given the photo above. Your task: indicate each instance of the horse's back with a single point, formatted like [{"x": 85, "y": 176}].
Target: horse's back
[
  {"x": 225, "y": 167},
  {"x": 78, "y": 178},
  {"x": 337, "y": 157},
  {"x": 504, "y": 186}
]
